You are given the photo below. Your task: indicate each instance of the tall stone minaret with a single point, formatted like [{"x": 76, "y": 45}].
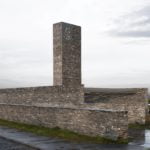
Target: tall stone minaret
[{"x": 67, "y": 54}]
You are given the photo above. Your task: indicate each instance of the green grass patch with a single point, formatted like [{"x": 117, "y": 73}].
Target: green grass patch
[{"x": 59, "y": 133}]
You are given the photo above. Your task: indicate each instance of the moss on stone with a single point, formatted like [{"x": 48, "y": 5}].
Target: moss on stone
[{"x": 60, "y": 133}]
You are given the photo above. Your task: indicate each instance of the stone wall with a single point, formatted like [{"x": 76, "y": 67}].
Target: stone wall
[
  {"x": 148, "y": 115},
  {"x": 49, "y": 94},
  {"x": 105, "y": 123},
  {"x": 135, "y": 101},
  {"x": 132, "y": 100}
]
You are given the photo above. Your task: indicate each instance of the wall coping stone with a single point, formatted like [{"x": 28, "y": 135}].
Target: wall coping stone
[{"x": 73, "y": 108}]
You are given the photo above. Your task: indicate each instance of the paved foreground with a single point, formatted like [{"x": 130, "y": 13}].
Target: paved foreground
[
  {"x": 141, "y": 142},
  {"x": 10, "y": 145}
]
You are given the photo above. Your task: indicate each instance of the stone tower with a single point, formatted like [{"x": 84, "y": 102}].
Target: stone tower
[{"x": 66, "y": 54}]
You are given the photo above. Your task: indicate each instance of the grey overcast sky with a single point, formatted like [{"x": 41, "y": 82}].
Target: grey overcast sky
[{"x": 115, "y": 41}]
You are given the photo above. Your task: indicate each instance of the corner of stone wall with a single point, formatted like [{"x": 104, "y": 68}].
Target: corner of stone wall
[{"x": 138, "y": 107}]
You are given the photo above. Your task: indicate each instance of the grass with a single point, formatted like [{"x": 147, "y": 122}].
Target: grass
[{"x": 59, "y": 133}]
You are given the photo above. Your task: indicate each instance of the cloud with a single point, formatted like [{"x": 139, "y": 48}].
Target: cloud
[
  {"x": 135, "y": 24},
  {"x": 134, "y": 34},
  {"x": 26, "y": 41}
]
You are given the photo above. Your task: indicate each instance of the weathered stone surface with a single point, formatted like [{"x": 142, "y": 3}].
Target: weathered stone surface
[
  {"x": 49, "y": 94},
  {"x": 67, "y": 54},
  {"x": 148, "y": 115},
  {"x": 135, "y": 101},
  {"x": 106, "y": 123}
]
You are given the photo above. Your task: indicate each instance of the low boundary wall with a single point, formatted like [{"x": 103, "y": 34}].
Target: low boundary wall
[
  {"x": 105, "y": 123},
  {"x": 97, "y": 112},
  {"x": 135, "y": 101},
  {"x": 45, "y": 94}
]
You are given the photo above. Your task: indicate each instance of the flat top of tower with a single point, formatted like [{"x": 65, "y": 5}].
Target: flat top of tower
[{"x": 65, "y": 23}]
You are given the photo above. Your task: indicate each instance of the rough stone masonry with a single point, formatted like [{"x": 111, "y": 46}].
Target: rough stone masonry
[
  {"x": 67, "y": 54},
  {"x": 67, "y": 104}
]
